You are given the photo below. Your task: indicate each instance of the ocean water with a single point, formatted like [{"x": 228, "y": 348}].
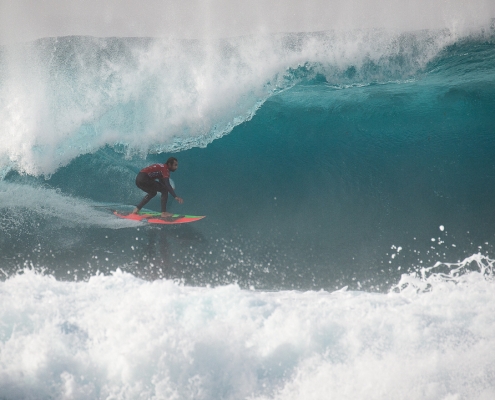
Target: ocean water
[{"x": 347, "y": 180}]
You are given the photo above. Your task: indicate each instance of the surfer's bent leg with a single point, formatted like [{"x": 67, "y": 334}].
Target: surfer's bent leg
[
  {"x": 145, "y": 183},
  {"x": 145, "y": 200}
]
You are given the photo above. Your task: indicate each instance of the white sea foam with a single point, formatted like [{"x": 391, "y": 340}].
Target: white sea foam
[{"x": 123, "y": 338}]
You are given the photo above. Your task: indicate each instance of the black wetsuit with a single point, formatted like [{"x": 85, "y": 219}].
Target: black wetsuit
[{"x": 146, "y": 180}]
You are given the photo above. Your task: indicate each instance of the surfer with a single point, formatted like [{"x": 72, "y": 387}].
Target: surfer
[{"x": 156, "y": 178}]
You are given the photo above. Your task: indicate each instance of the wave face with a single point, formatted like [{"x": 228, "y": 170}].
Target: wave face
[{"x": 322, "y": 161}]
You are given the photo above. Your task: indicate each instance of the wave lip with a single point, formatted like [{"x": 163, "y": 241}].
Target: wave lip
[{"x": 63, "y": 97}]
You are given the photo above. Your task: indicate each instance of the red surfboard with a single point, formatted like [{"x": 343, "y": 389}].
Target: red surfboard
[{"x": 155, "y": 218}]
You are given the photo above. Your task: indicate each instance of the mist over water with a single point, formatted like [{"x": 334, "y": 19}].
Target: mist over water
[
  {"x": 23, "y": 20},
  {"x": 346, "y": 176}
]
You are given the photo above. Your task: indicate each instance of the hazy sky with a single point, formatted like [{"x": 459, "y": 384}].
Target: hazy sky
[{"x": 22, "y": 20}]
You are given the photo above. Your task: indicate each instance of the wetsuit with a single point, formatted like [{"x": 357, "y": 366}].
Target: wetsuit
[{"x": 146, "y": 180}]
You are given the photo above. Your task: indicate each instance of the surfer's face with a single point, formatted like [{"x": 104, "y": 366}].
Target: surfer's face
[{"x": 174, "y": 166}]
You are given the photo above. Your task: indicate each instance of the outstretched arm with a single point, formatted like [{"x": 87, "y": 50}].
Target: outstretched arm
[{"x": 166, "y": 182}]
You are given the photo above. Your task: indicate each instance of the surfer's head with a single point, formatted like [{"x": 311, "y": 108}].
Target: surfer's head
[{"x": 172, "y": 164}]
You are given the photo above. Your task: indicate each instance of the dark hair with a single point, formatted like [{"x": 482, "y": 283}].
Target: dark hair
[{"x": 171, "y": 160}]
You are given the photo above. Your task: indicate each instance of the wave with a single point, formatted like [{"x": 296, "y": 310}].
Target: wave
[
  {"x": 352, "y": 154},
  {"x": 64, "y": 97},
  {"x": 355, "y": 172}
]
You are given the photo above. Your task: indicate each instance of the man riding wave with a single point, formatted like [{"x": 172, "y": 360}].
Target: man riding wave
[{"x": 156, "y": 178}]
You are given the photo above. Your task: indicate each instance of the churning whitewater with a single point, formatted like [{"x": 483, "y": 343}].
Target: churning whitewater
[
  {"x": 119, "y": 336},
  {"x": 347, "y": 178}
]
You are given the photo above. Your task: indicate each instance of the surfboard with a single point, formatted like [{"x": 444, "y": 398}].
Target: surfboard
[{"x": 155, "y": 218}]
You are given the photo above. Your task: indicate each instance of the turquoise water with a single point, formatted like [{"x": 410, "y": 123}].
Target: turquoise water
[
  {"x": 337, "y": 167},
  {"x": 323, "y": 162}
]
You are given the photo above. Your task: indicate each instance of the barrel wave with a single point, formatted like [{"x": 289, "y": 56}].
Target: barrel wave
[{"x": 347, "y": 182}]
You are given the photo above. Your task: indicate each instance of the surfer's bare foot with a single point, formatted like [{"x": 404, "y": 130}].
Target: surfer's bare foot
[
  {"x": 135, "y": 211},
  {"x": 166, "y": 214}
]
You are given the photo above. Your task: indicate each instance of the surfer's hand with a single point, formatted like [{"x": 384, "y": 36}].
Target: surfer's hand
[{"x": 179, "y": 200}]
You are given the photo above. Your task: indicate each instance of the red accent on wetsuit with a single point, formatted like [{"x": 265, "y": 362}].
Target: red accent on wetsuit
[{"x": 157, "y": 171}]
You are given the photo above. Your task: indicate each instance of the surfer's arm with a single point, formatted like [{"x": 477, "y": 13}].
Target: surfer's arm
[{"x": 166, "y": 182}]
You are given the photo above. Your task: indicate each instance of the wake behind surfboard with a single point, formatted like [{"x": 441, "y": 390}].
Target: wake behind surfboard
[{"x": 155, "y": 218}]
